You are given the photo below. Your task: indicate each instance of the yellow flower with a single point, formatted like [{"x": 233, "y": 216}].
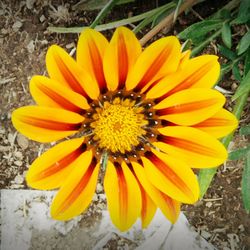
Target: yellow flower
[{"x": 152, "y": 113}]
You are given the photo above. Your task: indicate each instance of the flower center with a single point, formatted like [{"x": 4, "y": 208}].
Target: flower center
[
  {"x": 118, "y": 125},
  {"x": 121, "y": 125}
]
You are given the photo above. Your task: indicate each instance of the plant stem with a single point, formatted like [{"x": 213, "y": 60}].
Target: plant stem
[
  {"x": 103, "y": 12},
  {"x": 167, "y": 22}
]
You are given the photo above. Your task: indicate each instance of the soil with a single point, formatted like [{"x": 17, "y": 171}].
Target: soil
[{"x": 24, "y": 40}]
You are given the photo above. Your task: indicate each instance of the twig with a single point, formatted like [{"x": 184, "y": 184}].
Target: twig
[
  {"x": 6, "y": 80},
  {"x": 213, "y": 199},
  {"x": 197, "y": 14},
  {"x": 167, "y": 22}
]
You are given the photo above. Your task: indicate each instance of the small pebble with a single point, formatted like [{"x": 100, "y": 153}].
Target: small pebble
[
  {"x": 18, "y": 155},
  {"x": 205, "y": 234},
  {"x": 22, "y": 141},
  {"x": 44, "y": 42},
  {"x": 17, "y": 25},
  {"x": 11, "y": 138},
  {"x": 209, "y": 204},
  {"x": 42, "y": 18},
  {"x": 95, "y": 197},
  {"x": 99, "y": 188},
  {"x": 234, "y": 86},
  {"x": 30, "y": 4},
  {"x": 101, "y": 197},
  {"x": 4, "y": 31},
  {"x": 18, "y": 163},
  {"x": 19, "y": 179},
  {"x": 70, "y": 45},
  {"x": 241, "y": 228},
  {"x": 31, "y": 46}
]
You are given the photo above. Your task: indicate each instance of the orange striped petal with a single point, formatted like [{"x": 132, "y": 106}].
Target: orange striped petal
[
  {"x": 123, "y": 195},
  {"x": 44, "y": 124},
  {"x": 49, "y": 93},
  {"x": 185, "y": 56},
  {"x": 148, "y": 209},
  {"x": 156, "y": 61},
  {"x": 168, "y": 206},
  {"x": 64, "y": 69},
  {"x": 219, "y": 125},
  {"x": 171, "y": 176},
  {"x": 199, "y": 72},
  {"x": 120, "y": 57},
  {"x": 190, "y": 106},
  {"x": 76, "y": 193},
  {"x": 89, "y": 54},
  {"x": 50, "y": 169},
  {"x": 197, "y": 148}
]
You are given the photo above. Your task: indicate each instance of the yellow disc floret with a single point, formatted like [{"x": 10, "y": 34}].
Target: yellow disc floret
[{"x": 118, "y": 125}]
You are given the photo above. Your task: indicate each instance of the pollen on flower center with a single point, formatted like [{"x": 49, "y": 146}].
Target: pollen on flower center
[{"x": 118, "y": 125}]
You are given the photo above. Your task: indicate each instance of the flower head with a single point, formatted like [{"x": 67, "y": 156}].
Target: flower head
[{"x": 144, "y": 118}]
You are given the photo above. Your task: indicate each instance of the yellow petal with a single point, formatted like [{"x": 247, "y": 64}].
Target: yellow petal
[
  {"x": 148, "y": 209},
  {"x": 171, "y": 176},
  {"x": 219, "y": 125},
  {"x": 185, "y": 56},
  {"x": 199, "y": 72},
  {"x": 190, "y": 106},
  {"x": 197, "y": 148},
  {"x": 76, "y": 193},
  {"x": 156, "y": 61},
  {"x": 120, "y": 57},
  {"x": 46, "y": 124},
  {"x": 64, "y": 69},
  {"x": 50, "y": 169},
  {"x": 123, "y": 195},
  {"x": 49, "y": 93},
  {"x": 89, "y": 54},
  {"x": 168, "y": 206}
]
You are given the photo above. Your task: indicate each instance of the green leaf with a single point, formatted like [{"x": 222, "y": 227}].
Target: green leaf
[
  {"x": 179, "y": 2},
  {"x": 155, "y": 16},
  {"x": 244, "y": 12},
  {"x": 103, "y": 12},
  {"x": 229, "y": 54},
  {"x": 225, "y": 68},
  {"x": 244, "y": 87},
  {"x": 245, "y": 130},
  {"x": 247, "y": 62},
  {"x": 204, "y": 178},
  {"x": 238, "y": 154},
  {"x": 224, "y": 14},
  {"x": 114, "y": 24},
  {"x": 236, "y": 72},
  {"x": 226, "y": 35},
  {"x": 186, "y": 45},
  {"x": 244, "y": 43},
  {"x": 245, "y": 189},
  {"x": 200, "y": 29},
  {"x": 160, "y": 16}
]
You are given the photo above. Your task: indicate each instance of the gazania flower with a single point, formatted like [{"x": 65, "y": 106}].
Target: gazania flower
[{"x": 144, "y": 118}]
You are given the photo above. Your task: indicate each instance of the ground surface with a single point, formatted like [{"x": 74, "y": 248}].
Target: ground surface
[{"x": 23, "y": 44}]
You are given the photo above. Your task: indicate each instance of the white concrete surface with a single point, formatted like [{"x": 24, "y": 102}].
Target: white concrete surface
[{"x": 25, "y": 221}]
